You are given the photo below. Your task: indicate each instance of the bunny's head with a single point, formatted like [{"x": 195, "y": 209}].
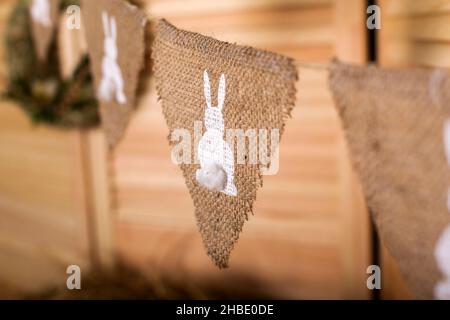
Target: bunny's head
[
  {"x": 213, "y": 115},
  {"x": 110, "y": 29}
]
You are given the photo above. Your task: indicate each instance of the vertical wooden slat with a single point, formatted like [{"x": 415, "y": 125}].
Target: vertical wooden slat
[
  {"x": 392, "y": 282},
  {"x": 351, "y": 47},
  {"x": 351, "y": 32},
  {"x": 72, "y": 46},
  {"x": 99, "y": 190}
]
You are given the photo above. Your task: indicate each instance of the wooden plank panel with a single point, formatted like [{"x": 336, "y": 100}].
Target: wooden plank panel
[
  {"x": 404, "y": 53},
  {"x": 355, "y": 223},
  {"x": 400, "y": 8},
  {"x": 179, "y": 253},
  {"x": 308, "y": 238},
  {"x": 426, "y": 28},
  {"x": 42, "y": 223}
]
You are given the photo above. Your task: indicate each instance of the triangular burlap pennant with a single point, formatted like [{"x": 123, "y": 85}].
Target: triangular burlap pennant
[
  {"x": 44, "y": 19},
  {"x": 394, "y": 122},
  {"x": 254, "y": 89},
  {"x": 115, "y": 34}
]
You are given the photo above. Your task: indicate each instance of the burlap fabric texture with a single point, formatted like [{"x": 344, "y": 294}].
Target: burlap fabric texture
[
  {"x": 131, "y": 42},
  {"x": 260, "y": 94},
  {"x": 394, "y": 121}
]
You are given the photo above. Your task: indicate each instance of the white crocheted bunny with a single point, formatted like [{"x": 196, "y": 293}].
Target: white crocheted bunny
[
  {"x": 111, "y": 86},
  {"x": 216, "y": 158},
  {"x": 40, "y": 12}
]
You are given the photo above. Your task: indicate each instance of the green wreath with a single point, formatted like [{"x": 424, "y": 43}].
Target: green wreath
[{"x": 38, "y": 86}]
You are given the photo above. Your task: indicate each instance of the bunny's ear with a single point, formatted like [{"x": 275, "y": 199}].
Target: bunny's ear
[
  {"x": 447, "y": 140},
  {"x": 113, "y": 28},
  {"x": 207, "y": 88},
  {"x": 221, "y": 92},
  {"x": 105, "y": 23}
]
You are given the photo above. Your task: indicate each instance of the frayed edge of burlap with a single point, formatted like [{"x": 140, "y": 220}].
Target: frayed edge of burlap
[
  {"x": 147, "y": 66},
  {"x": 340, "y": 104},
  {"x": 401, "y": 90}
]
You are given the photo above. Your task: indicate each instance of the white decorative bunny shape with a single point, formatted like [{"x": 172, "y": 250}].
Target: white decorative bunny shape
[
  {"x": 442, "y": 250},
  {"x": 40, "y": 12},
  {"x": 442, "y": 254},
  {"x": 214, "y": 153},
  {"x": 112, "y": 85}
]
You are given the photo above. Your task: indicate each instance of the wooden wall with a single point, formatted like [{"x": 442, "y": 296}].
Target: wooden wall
[
  {"x": 309, "y": 237},
  {"x": 413, "y": 33},
  {"x": 48, "y": 212},
  {"x": 33, "y": 214}
]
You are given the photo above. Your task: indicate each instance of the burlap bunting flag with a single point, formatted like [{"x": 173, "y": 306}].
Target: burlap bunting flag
[
  {"x": 116, "y": 38},
  {"x": 255, "y": 89},
  {"x": 394, "y": 122},
  {"x": 44, "y": 16}
]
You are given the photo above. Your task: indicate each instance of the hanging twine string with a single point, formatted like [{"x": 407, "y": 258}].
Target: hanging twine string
[
  {"x": 434, "y": 85},
  {"x": 312, "y": 66}
]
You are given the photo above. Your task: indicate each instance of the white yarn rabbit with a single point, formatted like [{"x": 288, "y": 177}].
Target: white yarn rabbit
[
  {"x": 214, "y": 153},
  {"x": 112, "y": 85},
  {"x": 442, "y": 250},
  {"x": 40, "y": 12}
]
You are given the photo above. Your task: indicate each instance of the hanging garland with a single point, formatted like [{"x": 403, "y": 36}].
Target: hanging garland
[
  {"x": 119, "y": 46},
  {"x": 37, "y": 85}
]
